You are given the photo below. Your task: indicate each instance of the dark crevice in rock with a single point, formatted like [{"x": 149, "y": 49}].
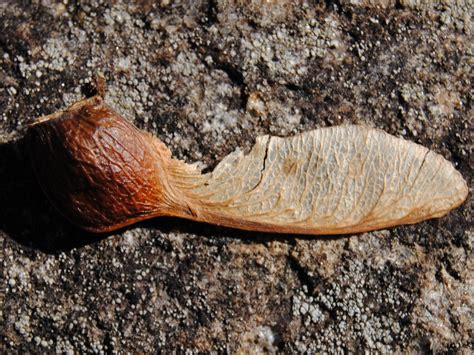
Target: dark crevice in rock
[
  {"x": 237, "y": 78},
  {"x": 293, "y": 87},
  {"x": 212, "y": 10},
  {"x": 448, "y": 266},
  {"x": 302, "y": 274},
  {"x": 334, "y": 5}
]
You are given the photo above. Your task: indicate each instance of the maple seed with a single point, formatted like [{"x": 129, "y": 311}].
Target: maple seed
[{"x": 103, "y": 173}]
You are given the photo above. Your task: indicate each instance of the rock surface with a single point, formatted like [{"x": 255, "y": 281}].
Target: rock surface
[{"x": 207, "y": 77}]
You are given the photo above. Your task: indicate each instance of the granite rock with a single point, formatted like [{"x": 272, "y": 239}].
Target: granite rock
[{"x": 207, "y": 77}]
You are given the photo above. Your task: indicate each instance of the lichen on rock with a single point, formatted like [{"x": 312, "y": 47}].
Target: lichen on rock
[{"x": 207, "y": 77}]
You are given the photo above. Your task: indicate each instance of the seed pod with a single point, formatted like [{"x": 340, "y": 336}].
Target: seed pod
[{"x": 103, "y": 173}]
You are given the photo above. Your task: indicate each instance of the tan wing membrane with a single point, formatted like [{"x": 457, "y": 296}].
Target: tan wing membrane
[
  {"x": 103, "y": 173},
  {"x": 328, "y": 181}
]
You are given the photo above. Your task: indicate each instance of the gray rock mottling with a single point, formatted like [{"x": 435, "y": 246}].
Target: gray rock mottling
[{"x": 207, "y": 77}]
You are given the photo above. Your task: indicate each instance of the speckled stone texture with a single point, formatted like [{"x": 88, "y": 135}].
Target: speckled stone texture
[{"x": 207, "y": 77}]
